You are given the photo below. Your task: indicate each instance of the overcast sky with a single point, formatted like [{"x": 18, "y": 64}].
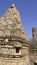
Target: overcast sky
[{"x": 28, "y": 12}]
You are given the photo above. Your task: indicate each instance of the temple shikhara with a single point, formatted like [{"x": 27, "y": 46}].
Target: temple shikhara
[{"x": 13, "y": 39}]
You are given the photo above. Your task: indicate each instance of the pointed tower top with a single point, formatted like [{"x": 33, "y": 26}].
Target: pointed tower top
[{"x": 13, "y": 5}]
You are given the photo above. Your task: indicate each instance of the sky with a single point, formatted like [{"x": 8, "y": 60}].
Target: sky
[{"x": 28, "y": 12}]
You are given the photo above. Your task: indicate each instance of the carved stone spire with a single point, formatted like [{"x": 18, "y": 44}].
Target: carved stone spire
[
  {"x": 13, "y": 24},
  {"x": 13, "y": 39}
]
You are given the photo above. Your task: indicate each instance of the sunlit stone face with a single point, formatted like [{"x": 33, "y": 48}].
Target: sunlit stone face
[{"x": 6, "y": 40}]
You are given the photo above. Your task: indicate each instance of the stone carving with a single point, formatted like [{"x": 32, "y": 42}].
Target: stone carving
[{"x": 13, "y": 39}]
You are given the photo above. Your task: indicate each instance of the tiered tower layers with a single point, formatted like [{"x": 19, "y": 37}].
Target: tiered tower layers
[{"x": 13, "y": 39}]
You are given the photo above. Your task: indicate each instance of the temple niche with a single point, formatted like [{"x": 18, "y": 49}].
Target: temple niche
[{"x": 13, "y": 39}]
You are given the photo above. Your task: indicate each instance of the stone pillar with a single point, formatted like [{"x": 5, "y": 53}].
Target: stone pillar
[{"x": 33, "y": 32}]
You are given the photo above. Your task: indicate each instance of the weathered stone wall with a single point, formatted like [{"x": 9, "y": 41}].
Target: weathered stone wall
[
  {"x": 14, "y": 62},
  {"x": 24, "y": 60},
  {"x": 33, "y": 56}
]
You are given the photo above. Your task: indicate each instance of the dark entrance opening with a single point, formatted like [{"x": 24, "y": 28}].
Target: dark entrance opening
[
  {"x": 35, "y": 63},
  {"x": 17, "y": 50}
]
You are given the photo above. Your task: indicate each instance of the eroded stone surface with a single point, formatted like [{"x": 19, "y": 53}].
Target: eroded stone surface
[{"x": 13, "y": 39}]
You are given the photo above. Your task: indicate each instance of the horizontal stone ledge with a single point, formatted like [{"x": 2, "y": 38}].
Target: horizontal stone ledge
[{"x": 11, "y": 56}]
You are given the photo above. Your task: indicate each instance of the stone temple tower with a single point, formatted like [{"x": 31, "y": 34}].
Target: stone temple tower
[{"x": 13, "y": 39}]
